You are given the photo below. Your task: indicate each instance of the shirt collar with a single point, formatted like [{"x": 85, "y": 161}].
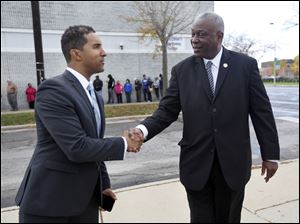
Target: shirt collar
[
  {"x": 216, "y": 60},
  {"x": 83, "y": 81}
]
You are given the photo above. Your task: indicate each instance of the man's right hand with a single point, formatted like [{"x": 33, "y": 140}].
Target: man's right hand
[
  {"x": 136, "y": 135},
  {"x": 134, "y": 138}
]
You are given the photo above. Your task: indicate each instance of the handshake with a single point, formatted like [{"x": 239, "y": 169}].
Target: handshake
[{"x": 134, "y": 138}]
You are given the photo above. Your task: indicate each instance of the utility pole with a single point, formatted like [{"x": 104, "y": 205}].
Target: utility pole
[
  {"x": 38, "y": 46},
  {"x": 274, "y": 62}
]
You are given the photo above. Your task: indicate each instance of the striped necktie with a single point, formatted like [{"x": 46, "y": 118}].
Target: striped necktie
[
  {"x": 210, "y": 76},
  {"x": 95, "y": 106}
]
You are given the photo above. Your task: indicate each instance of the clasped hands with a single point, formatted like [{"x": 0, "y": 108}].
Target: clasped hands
[{"x": 134, "y": 138}]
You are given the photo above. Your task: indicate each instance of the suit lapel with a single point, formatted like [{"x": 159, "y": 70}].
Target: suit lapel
[
  {"x": 76, "y": 84},
  {"x": 200, "y": 69},
  {"x": 102, "y": 112},
  {"x": 224, "y": 68}
]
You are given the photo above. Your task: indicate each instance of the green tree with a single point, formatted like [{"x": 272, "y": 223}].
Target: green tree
[{"x": 160, "y": 20}]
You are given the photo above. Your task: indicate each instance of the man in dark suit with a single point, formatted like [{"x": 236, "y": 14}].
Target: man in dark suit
[
  {"x": 66, "y": 176},
  {"x": 215, "y": 158}
]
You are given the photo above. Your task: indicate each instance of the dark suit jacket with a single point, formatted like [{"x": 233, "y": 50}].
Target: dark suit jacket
[
  {"x": 218, "y": 125},
  {"x": 68, "y": 158}
]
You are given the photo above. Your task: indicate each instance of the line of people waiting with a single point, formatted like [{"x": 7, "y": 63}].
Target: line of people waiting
[
  {"x": 145, "y": 86},
  {"x": 12, "y": 93}
]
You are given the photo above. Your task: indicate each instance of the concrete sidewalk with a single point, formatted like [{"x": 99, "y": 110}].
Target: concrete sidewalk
[{"x": 165, "y": 201}]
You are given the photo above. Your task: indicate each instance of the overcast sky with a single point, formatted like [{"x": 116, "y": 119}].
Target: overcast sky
[{"x": 253, "y": 18}]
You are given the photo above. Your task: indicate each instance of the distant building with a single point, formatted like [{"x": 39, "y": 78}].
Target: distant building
[{"x": 284, "y": 71}]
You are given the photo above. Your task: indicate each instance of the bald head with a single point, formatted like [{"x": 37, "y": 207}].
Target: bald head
[{"x": 214, "y": 19}]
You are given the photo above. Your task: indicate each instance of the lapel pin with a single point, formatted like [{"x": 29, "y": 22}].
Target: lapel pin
[{"x": 225, "y": 65}]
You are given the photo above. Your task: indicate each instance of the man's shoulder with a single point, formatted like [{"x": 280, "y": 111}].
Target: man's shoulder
[
  {"x": 57, "y": 80},
  {"x": 185, "y": 64},
  {"x": 239, "y": 55},
  {"x": 186, "y": 61}
]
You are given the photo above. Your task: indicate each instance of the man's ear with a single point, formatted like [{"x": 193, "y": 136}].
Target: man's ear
[
  {"x": 220, "y": 35},
  {"x": 75, "y": 54}
]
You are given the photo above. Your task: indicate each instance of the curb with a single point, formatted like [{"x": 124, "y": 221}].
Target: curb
[
  {"x": 9, "y": 209},
  {"x": 108, "y": 120},
  {"x": 15, "y": 127}
]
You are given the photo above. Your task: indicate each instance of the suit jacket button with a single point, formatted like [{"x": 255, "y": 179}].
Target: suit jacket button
[
  {"x": 214, "y": 110},
  {"x": 215, "y": 130}
]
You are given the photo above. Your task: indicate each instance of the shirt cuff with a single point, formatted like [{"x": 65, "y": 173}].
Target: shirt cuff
[
  {"x": 125, "y": 147},
  {"x": 143, "y": 129},
  {"x": 274, "y": 161}
]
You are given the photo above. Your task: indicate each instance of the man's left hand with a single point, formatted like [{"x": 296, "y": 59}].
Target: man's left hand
[
  {"x": 109, "y": 193},
  {"x": 270, "y": 167}
]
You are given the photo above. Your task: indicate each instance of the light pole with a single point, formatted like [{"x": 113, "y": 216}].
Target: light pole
[
  {"x": 274, "y": 62},
  {"x": 38, "y": 46}
]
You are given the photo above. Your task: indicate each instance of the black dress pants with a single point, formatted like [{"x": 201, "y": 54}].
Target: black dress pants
[{"x": 216, "y": 202}]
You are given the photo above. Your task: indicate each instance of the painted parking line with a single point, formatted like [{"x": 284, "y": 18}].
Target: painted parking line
[
  {"x": 291, "y": 119},
  {"x": 278, "y": 110},
  {"x": 284, "y": 102}
]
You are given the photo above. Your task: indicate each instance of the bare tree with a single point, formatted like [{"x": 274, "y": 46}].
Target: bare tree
[
  {"x": 294, "y": 19},
  {"x": 160, "y": 20},
  {"x": 246, "y": 45}
]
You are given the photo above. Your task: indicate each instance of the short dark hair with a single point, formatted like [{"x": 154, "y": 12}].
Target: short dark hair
[{"x": 73, "y": 38}]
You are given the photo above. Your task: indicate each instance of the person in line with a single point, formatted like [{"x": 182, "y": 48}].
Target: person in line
[
  {"x": 110, "y": 87},
  {"x": 98, "y": 84},
  {"x": 217, "y": 90},
  {"x": 30, "y": 93},
  {"x": 66, "y": 178},
  {"x": 12, "y": 95},
  {"x": 138, "y": 89},
  {"x": 161, "y": 85},
  {"x": 150, "y": 89},
  {"x": 145, "y": 87},
  {"x": 156, "y": 87},
  {"x": 119, "y": 91},
  {"x": 128, "y": 90}
]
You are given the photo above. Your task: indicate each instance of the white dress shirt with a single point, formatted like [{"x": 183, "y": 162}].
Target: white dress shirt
[{"x": 215, "y": 66}]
